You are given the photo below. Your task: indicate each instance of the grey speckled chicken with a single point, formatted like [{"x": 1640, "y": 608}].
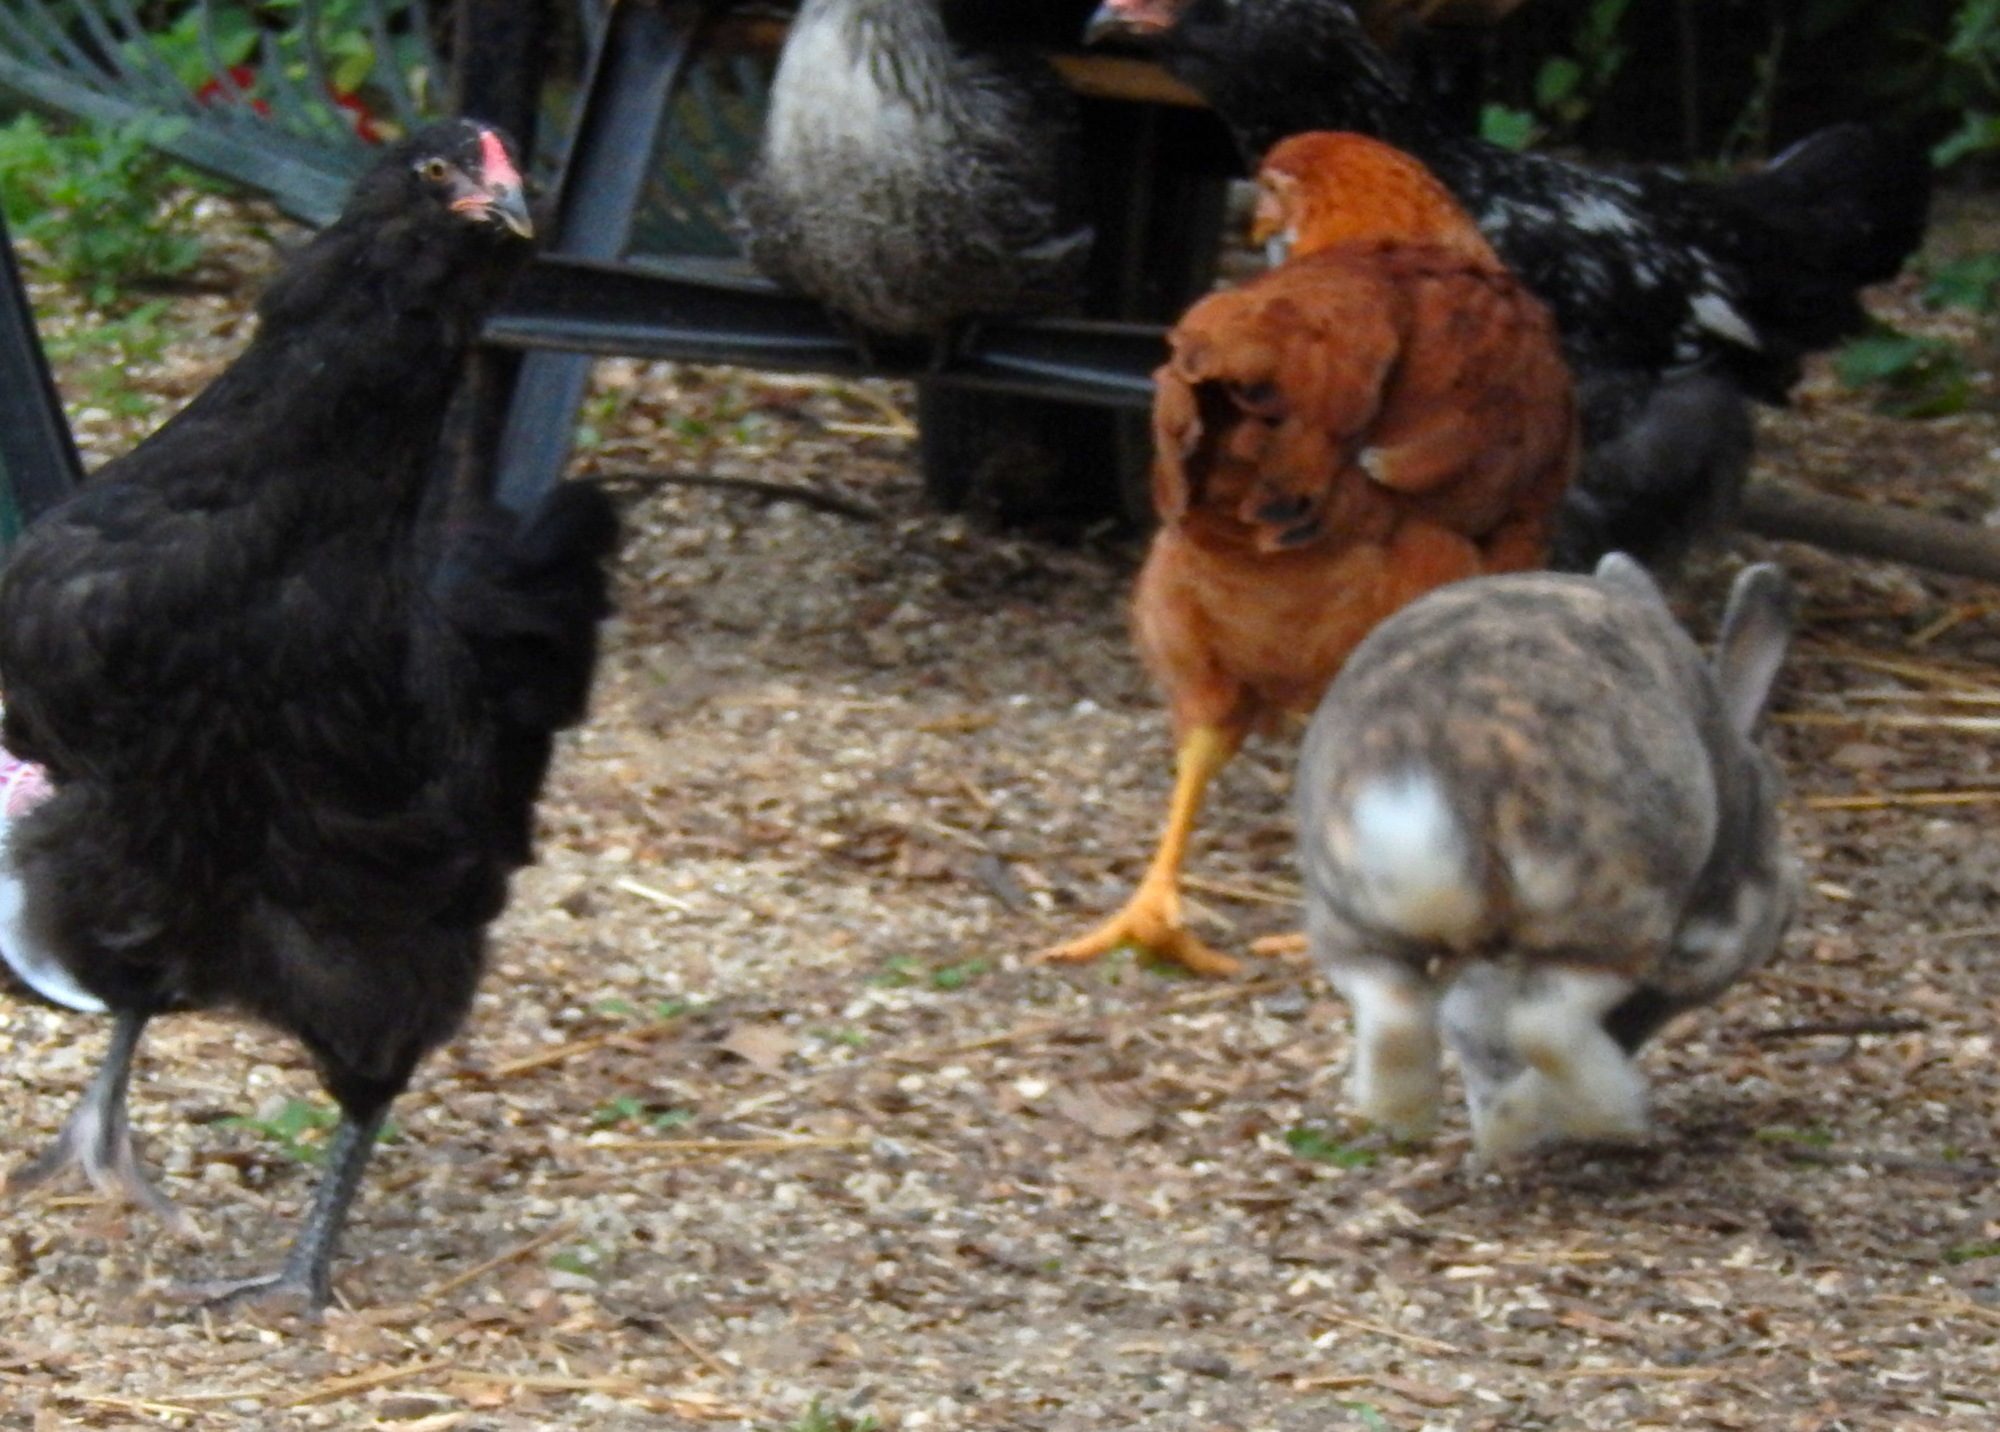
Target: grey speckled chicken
[{"x": 910, "y": 181}]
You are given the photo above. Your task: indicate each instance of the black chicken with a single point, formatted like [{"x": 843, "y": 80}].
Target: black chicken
[
  {"x": 911, "y": 179},
  {"x": 1676, "y": 296},
  {"x": 296, "y": 697}
]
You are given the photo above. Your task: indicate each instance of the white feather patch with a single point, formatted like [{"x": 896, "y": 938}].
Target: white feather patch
[
  {"x": 21, "y": 787},
  {"x": 1409, "y": 855},
  {"x": 1719, "y": 316},
  {"x": 1595, "y": 214}
]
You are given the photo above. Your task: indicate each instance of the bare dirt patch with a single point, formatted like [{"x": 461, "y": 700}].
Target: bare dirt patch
[{"x": 761, "y": 1103}]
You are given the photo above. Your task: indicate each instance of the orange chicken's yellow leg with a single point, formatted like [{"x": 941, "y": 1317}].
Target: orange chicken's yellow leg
[{"x": 1151, "y": 919}]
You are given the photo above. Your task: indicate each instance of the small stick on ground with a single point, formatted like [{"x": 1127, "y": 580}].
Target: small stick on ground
[
  {"x": 366, "y": 1381},
  {"x": 1828, "y": 1028},
  {"x": 698, "y": 1353},
  {"x": 1891, "y": 800},
  {"x": 479, "y": 1270},
  {"x": 1368, "y": 1325}
]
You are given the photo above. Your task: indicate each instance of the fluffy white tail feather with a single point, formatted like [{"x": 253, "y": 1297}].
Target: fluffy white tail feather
[{"x": 1412, "y": 858}]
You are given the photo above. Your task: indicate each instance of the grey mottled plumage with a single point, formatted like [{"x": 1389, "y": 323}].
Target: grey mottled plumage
[{"x": 909, "y": 181}]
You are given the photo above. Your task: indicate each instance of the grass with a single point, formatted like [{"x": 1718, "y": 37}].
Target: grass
[
  {"x": 629, "y": 1110},
  {"x": 1310, "y": 1142},
  {"x": 817, "y": 1418},
  {"x": 300, "y": 1128},
  {"x": 903, "y": 971}
]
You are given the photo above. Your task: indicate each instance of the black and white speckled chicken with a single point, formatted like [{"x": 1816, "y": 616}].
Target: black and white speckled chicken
[
  {"x": 910, "y": 178},
  {"x": 1677, "y": 297},
  {"x": 295, "y": 701}
]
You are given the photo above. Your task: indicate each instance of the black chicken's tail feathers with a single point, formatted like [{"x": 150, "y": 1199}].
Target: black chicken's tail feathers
[
  {"x": 1858, "y": 195},
  {"x": 526, "y": 595},
  {"x": 1841, "y": 209}
]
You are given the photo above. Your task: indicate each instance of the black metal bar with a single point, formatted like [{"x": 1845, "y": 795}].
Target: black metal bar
[
  {"x": 499, "y": 52},
  {"x": 37, "y": 455},
  {"x": 632, "y": 77},
  {"x": 581, "y": 306}
]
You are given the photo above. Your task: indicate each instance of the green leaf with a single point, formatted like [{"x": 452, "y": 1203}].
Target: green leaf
[
  {"x": 897, "y": 972},
  {"x": 1971, "y": 1252},
  {"x": 1976, "y": 133},
  {"x": 1508, "y": 128},
  {"x": 958, "y": 976},
  {"x": 1557, "y": 80},
  {"x": 1319, "y": 1146},
  {"x": 1971, "y": 283},
  {"x": 618, "y": 1111}
]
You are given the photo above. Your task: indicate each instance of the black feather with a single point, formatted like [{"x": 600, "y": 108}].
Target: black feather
[{"x": 295, "y": 709}]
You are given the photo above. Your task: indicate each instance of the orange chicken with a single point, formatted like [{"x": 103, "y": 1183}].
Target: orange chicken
[{"x": 1384, "y": 412}]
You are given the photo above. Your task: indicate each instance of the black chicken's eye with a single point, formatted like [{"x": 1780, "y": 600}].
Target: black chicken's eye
[{"x": 434, "y": 170}]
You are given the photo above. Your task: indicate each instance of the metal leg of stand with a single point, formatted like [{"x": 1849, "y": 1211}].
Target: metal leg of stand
[
  {"x": 633, "y": 76},
  {"x": 38, "y": 461}
]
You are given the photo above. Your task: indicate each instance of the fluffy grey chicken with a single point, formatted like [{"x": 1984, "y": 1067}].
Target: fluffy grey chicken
[
  {"x": 910, "y": 179},
  {"x": 296, "y": 703}
]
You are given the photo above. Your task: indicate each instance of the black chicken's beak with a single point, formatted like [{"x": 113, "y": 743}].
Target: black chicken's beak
[
  {"x": 509, "y": 205},
  {"x": 497, "y": 202}
]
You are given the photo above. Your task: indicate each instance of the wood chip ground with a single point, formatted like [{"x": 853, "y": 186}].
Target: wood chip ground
[{"x": 762, "y": 1105}]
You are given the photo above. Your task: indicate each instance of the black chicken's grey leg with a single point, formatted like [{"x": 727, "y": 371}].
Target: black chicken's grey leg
[
  {"x": 96, "y": 1139},
  {"x": 306, "y": 1279}
]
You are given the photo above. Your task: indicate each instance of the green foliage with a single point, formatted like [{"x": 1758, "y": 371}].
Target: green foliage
[
  {"x": 1318, "y": 1145},
  {"x": 586, "y": 1260},
  {"x": 1971, "y": 1252},
  {"x": 1921, "y": 375},
  {"x": 902, "y": 971},
  {"x": 234, "y": 29},
  {"x": 1915, "y": 375},
  {"x": 627, "y": 1110},
  {"x": 1971, "y": 283},
  {"x": 897, "y": 972},
  {"x": 1566, "y": 86},
  {"x": 101, "y": 206},
  {"x": 1968, "y": 80},
  {"x": 299, "y": 1128},
  {"x": 105, "y": 354},
  {"x": 817, "y": 1418},
  {"x": 958, "y": 976},
  {"x": 1507, "y": 127}
]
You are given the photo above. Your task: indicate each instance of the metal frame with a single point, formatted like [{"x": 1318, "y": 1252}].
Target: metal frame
[
  {"x": 1158, "y": 222},
  {"x": 38, "y": 457}
]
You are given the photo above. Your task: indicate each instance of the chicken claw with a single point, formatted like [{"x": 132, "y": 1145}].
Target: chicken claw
[
  {"x": 1151, "y": 921},
  {"x": 96, "y": 1140}
]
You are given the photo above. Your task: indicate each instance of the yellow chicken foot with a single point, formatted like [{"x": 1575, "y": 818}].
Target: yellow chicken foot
[{"x": 1151, "y": 919}]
